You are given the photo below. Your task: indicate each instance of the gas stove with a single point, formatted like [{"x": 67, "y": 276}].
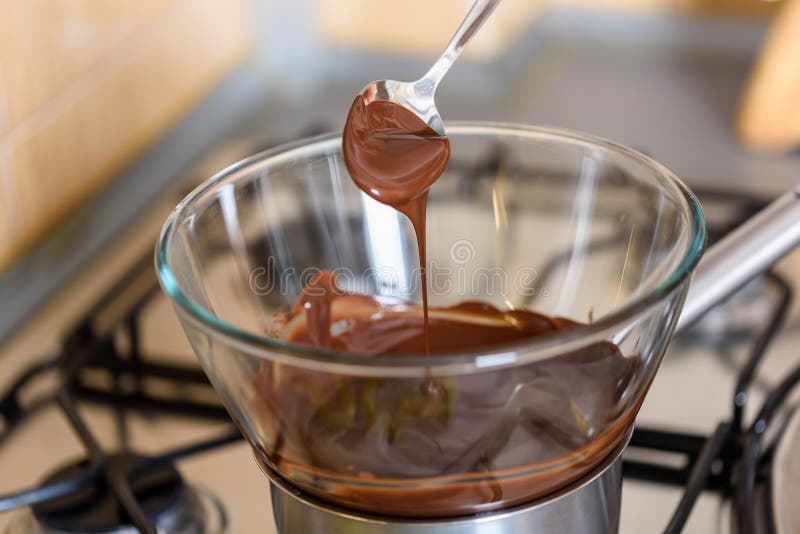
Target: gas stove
[
  {"x": 117, "y": 429},
  {"x": 108, "y": 424}
]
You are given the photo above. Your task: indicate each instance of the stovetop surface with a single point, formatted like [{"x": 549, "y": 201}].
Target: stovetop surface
[{"x": 692, "y": 393}]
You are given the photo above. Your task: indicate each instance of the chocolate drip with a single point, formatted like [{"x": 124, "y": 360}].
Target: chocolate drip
[
  {"x": 453, "y": 445},
  {"x": 394, "y": 157}
]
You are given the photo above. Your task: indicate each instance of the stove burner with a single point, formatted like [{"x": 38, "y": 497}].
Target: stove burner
[
  {"x": 95, "y": 509},
  {"x": 169, "y": 504}
]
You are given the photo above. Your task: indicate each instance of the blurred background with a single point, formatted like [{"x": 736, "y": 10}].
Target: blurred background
[{"x": 106, "y": 106}]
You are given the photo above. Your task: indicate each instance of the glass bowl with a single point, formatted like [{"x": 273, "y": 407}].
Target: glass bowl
[{"x": 565, "y": 224}]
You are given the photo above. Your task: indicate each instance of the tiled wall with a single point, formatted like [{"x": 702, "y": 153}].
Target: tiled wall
[{"x": 86, "y": 85}]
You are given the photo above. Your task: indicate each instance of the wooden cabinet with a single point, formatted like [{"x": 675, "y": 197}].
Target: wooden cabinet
[{"x": 87, "y": 85}]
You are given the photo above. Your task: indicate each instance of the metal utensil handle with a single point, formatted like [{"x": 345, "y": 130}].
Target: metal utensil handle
[
  {"x": 744, "y": 253},
  {"x": 474, "y": 19}
]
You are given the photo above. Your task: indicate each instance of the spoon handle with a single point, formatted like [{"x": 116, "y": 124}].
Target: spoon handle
[{"x": 475, "y": 18}]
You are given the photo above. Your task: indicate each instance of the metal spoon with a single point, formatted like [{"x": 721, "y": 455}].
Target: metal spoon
[{"x": 418, "y": 96}]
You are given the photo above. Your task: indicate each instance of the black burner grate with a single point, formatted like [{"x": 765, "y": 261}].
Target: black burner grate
[
  {"x": 88, "y": 352},
  {"x": 730, "y": 460}
]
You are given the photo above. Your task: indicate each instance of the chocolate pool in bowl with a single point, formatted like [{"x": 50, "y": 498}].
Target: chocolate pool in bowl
[{"x": 427, "y": 446}]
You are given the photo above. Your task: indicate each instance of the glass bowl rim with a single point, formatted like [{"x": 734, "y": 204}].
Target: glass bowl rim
[{"x": 455, "y": 362}]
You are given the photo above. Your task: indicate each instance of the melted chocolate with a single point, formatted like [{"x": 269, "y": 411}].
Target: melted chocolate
[
  {"x": 392, "y": 155},
  {"x": 443, "y": 446},
  {"x": 430, "y": 446},
  {"x": 395, "y": 157}
]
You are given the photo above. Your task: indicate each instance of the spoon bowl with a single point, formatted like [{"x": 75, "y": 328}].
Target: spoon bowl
[{"x": 417, "y": 97}]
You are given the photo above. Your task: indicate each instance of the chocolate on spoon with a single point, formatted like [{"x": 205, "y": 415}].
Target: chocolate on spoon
[{"x": 393, "y": 141}]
